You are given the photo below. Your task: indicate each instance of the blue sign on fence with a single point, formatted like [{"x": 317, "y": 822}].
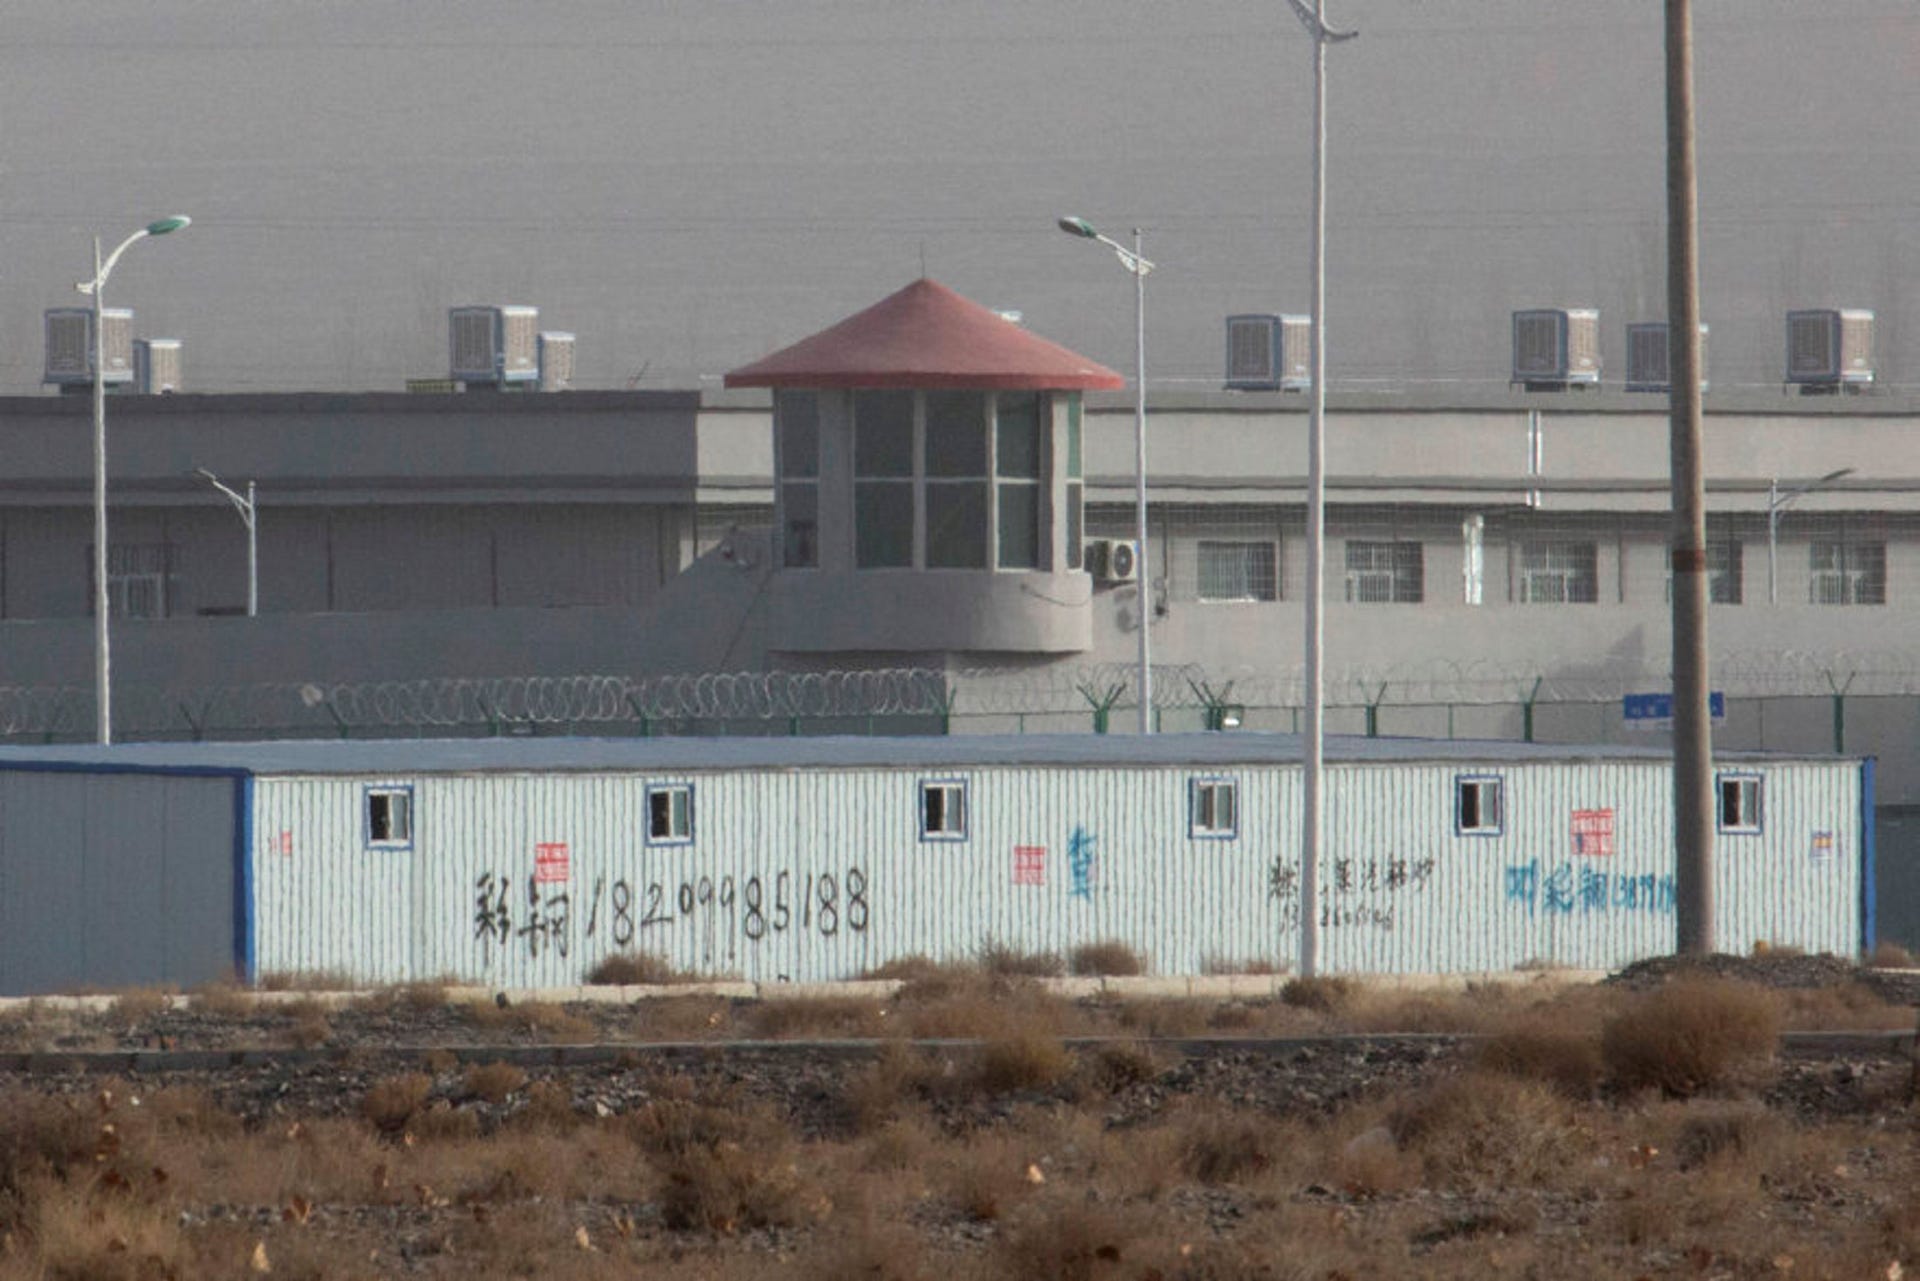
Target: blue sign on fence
[{"x": 1655, "y": 711}]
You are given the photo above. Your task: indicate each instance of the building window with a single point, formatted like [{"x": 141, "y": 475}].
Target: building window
[
  {"x": 1740, "y": 797},
  {"x": 1555, "y": 572},
  {"x": 1017, "y": 439},
  {"x": 389, "y": 817},
  {"x": 1846, "y": 572},
  {"x": 1213, "y": 810},
  {"x": 670, "y": 814},
  {"x": 140, "y": 579},
  {"x": 1479, "y": 805},
  {"x": 956, "y": 480},
  {"x": 1238, "y": 571},
  {"x": 796, "y": 424},
  {"x": 943, "y": 810},
  {"x": 1385, "y": 573}
]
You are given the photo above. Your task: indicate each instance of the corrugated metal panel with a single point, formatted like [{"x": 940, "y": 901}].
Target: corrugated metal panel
[
  {"x": 113, "y": 880},
  {"x": 822, "y": 874}
]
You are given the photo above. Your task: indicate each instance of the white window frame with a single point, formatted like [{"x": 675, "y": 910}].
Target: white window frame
[
  {"x": 388, "y": 794},
  {"x": 128, "y": 579},
  {"x": 1254, "y": 595},
  {"x": 1480, "y": 785},
  {"x": 953, "y": 809},
  {"x": 1842, "y": 579},
  {"x": 1747, "y": 815},
  {"x": 679, "y": 814},
  {"x": 1371, "y": 551},
  {"x": 1204, "y": 820},
  {"x": 1550, "y": 582}
]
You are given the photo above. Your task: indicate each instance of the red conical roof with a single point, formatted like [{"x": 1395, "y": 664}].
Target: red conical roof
[{"x": 926, "y": 335}]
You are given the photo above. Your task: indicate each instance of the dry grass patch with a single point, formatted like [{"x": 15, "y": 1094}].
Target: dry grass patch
[
  {"x": 139, "y": 1005},
  {"x": 225, "y": 1000},
  {"x": 1213, "y": 964},
  {"x": 1106, "y": 958},
  {"x": 851, "y": 1016},
  {"x": 681, "y": 1018},
  {"x": 542, "y": 1018},
  {"x": 1117, "y": 1065},
  {"x": 1541, "y": 1046},
  {"x": 1891, "y": 956},
  {"x": 1843, "y": 1007},
  {"x": 638, "y": 969},
  {"x": 391, "y": 1102},
  {"x": 1321, "y": 993},
  {"x": 1221, "y": 1144},
  {"x": 1691, "y": 1036},
  {"x": 1483, "y": 1130},
  {"x": 1026, "y": 1060},
  {"x": 725, "y": 1165},
  {"x": 1003, "y": 960},
  {"x": 307, "y": 981},
  {"x": 878, "y": 1094}
]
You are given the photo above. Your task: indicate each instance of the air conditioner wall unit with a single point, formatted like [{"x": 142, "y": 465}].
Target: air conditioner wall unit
[
  {"x": 1649, "y": 357},
  {"x": 494, "y": 346},
  {"x": 1555, "y": 349},
  {"x": 1829, "y": 349},
  {"x": 556, "y": 361},
  {"x": 1269, "y": 352},
  {"x": 1113, "y": 560}
]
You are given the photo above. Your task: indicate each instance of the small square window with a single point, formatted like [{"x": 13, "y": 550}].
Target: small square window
[
  {"x": 670, "y": 814},
  {"x": 1740, "y": 798},
  {"x": 943, "y": 810},
  {"x": 389, "y": 818},
  {"x": 1479, "y": 805},
  {"x": 1213, "y": 811}
]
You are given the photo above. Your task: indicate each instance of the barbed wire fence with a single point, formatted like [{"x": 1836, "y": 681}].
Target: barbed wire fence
[{"x": 1545, "y": 700}]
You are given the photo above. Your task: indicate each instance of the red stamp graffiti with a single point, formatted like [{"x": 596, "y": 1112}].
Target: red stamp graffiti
[
  {"x": 551, "y": 862},
  {"x": 1593, "y": 833},
  {"x": 1029, "y": 865}
]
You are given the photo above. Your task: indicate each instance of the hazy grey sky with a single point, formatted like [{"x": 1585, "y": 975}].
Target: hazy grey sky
[{"x": 688, "y": 184}]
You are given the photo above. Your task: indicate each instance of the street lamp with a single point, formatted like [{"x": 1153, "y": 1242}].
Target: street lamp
[
  {"x": 1139, "y": 266},
  {"x": 1314, "y": 20},
  {"x": 246, "y": 509},
  {"x": 1778, "y": 502},
  {"x": 98, "y": 288}
]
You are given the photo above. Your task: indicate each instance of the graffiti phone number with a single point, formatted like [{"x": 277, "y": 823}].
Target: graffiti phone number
[{"x": 757, "y": 907}]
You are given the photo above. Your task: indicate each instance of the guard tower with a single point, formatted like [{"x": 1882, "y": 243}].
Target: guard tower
[{"x": 928, "y": 484}]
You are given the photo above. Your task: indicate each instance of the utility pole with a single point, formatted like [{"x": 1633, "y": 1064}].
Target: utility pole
[{"x": 1692, "y": 727}]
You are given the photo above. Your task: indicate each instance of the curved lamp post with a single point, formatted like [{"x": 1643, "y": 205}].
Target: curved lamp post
[
  {"x": 1139, "y": 266},
  {"x": 98, "y": 288},
  {"x": 1778, "y": 502},
  {"x": 245, "y": 506}
]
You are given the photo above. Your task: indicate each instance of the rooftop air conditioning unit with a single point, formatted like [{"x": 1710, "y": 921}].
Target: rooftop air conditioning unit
[
  {"x": 556, "y": 361},
  {"x": 1829, "y": 350},
  {"x": 1648, "y": 356},
  {"x": 156, "y": 366},
  {"x": 70, "y": 346},
  {"x": 495, "y": 346},
  {"x": 1554, "y": 350},
  {"x": 1268, "y": 352},
  {"x": 1113, "y": 560}
]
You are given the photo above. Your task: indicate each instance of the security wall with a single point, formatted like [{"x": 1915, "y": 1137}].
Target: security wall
[
  {"x": 530, "y": 879},
  {"x": 117, "y": 880}
]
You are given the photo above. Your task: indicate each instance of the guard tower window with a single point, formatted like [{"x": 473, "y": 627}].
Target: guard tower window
[
  {"x": 670, "y": 814},
  {"x": 1213, "y": 809},
  {"x": 796, "y": 417},
  {"x": 1740, "y": 797}
]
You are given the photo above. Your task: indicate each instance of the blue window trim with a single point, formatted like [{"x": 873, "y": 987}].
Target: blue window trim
[
  {"x": 1194, "y": 831},
  {"x": 654, "y": 789},
  {"x": 367, "y": 793},
  {"x": 1498, "y": 829},
  {"x": 1758, "y": 826},
  {"x": 920, "y": 811}
]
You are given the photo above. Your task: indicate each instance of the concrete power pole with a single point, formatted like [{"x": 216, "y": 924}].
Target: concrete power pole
[{"x": 1692, "y": 726}]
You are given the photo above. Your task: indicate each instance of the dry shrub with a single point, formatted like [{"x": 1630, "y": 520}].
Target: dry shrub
[
  {"x": 441, "y": 1122},
  {"x": 96, "y": 1238},
  {"x": 913, "y": 968},
  {"x": 1215, "y": 965},
  {"x": 1068, "y": 1240},
  {"x": 185, "y": 1110},
  {"x": 1321, "y": 993},
  {"x": 1842, "y": 1007},
  {"x": 977, "y": 1006},
  {"x": 901, "y": 1145},
  {"x": 43, "y": 1137},
  {"x": 391, "y": 1102},
  {"x": 1106, "y": 958},
  {"x": 1026, "y": 1060},
  {"x": 493, "y": 1082},
  {"x": 544, "y": 1018},
  {"x": 1888, "y": 955},
  {"x": 987, "y": 1178},
  {"x": 549, "y": 1108},
  {"x": 818, "y": 1016},
  {"x": 1227, "y": 1145},
  {"x": 868, "y": 1249},
  {"x": 1720, "y": 1132},
  {"x": 1539, "y": 1046},
  {"x": 726, "y": 1165},
  {"x": 307, "y": 981},
  {"x": 139, "y": 1005},
  {"x": 876, "y": 1094},
  {"x": 1118, "y": 1065},
  {"x": 681, "y": 1018},
  {"x": 1006, "y": 961},
  {"x": 1483, "y": 1130},
  {"x": 636, "y": 969},
  {"x": 1690, "y": 1036},
  {"x": 418, "y": 997},
  {"x": 1165, "y": 1017}
]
